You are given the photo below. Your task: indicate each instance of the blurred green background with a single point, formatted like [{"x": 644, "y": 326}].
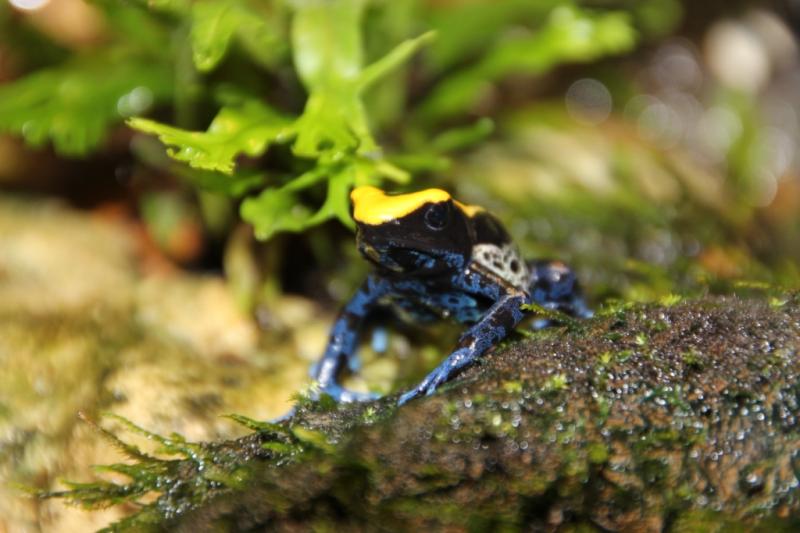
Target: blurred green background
[
  {"x": 652, "y": 143},
  {"x": 653, "y": 138}
]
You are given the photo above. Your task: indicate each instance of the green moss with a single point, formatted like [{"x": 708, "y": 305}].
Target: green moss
[
  {"x": 623, "y": 355},
  {"x": 709, "y": 521},
  {"x": 693, "y": 358},
  {"x": 670, "y": 299},
  {"x": 598, "y": 453},
  {"x": 512, "y": 387},
  {"x": 556, "y": 383}
]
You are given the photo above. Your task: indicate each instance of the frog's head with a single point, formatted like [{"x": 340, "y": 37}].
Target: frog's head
[{"x": 425, "y": 232}]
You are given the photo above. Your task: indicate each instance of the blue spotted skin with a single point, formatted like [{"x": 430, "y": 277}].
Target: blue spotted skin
[{"x": 432, "y": 272}]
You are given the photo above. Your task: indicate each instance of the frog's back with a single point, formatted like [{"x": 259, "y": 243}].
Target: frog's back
[{"x": 495, "y": 251}]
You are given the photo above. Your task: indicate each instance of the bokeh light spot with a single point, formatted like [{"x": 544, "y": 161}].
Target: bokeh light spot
[
  {"x": 589, "y": 101},
  {"x": 29, "y": 5}
]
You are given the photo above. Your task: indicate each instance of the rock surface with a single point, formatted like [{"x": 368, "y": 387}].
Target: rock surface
[
  {"x": 647, "y": 418},
  {"x": 82, "y": 330}
]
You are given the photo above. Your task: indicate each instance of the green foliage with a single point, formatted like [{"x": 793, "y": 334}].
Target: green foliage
[
  {"x": 280, "y": 210},
  {"x": 318, "y": 81},
  {"x": 479, "y": 26},
  {"x": 333, "y": 128},
  {"x": 73, "y": 105},
  {"x": 247, "y": 129},
  {"x": 569, "y": 34},
  {"x": 215, "y": 24}
]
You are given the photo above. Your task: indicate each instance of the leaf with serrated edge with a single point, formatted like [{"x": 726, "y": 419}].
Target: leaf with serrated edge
[{"x": 247, "y": 129}]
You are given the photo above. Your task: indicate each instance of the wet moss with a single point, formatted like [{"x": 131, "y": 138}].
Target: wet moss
[{"x": 697, "y": 426}]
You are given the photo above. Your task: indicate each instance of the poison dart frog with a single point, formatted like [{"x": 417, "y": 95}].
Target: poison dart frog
[{"x": 437, "y": 257}]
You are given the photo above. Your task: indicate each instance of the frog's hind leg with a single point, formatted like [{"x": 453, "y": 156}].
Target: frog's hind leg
[{"x": 554, "y": 285}]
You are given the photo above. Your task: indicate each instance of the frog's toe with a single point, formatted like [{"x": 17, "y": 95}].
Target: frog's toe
[
  {"x": 581, "y": 309},
  {"x": 410, "y": 395},
  {"x": 442, "y": 373},
  {"x": 342, "y": 395},
  {"x": 427, "y": 387}
]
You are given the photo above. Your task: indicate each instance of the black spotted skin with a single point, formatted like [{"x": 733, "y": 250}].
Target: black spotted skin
[{"x": 436, "y": 255}]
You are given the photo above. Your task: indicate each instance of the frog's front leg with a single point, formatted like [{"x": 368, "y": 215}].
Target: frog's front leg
[
  {"x": 343, "y": 342},
  {"x": 493, "y": 327}
]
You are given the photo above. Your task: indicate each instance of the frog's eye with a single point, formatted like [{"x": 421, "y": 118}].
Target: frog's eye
[{"x": 436, "y": 216}]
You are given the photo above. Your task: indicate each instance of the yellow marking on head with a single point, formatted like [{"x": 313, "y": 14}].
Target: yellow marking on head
[
  {"x": 469, "y": 210},
  {"x": 373, "y": 206}
]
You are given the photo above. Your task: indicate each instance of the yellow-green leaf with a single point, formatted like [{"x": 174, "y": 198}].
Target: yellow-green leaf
[{"x": 246, "y": 129}]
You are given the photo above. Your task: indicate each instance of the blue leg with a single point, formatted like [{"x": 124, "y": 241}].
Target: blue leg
[
  {"x": 495, "y": 325},
  {"x": 553, "y": 285},
  {"x": 343, "y": 342}
]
